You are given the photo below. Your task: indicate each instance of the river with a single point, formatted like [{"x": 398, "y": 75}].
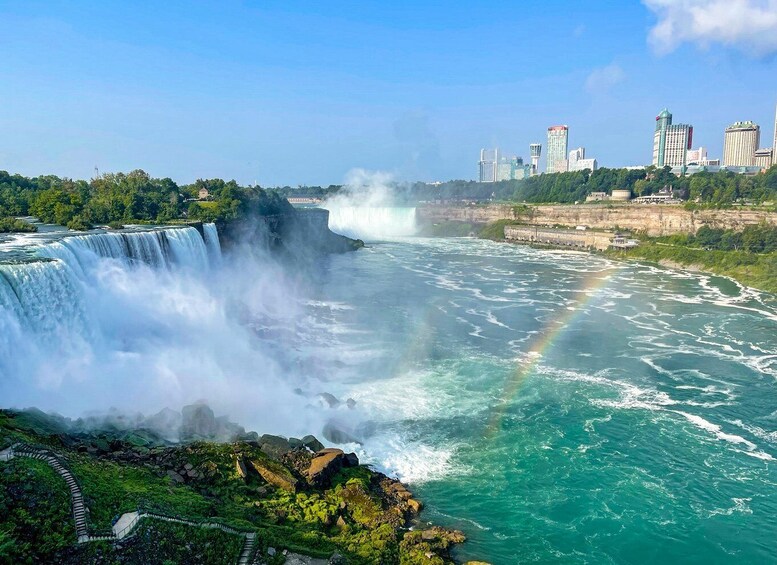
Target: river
[
  {"x": 555, "y": 406},
  {"x": 561, "y": 407}
]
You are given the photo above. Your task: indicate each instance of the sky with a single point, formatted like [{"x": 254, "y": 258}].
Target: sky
[{"x": 301, "y": 93}]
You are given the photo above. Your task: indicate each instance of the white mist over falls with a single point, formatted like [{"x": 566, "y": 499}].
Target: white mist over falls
[
  {"x": 366, "y": 209},
  {"x": 144, "y": 319}
]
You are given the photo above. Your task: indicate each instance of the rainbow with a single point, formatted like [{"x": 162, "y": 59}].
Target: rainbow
[{"x": 542, "y": 341}]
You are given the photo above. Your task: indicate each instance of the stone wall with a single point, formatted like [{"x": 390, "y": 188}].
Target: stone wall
[
  {"x": 584, "y": 239},
  {"x": 654, "y": 220}
]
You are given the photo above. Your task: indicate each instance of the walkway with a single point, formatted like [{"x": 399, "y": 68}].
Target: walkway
[{"x": 127, "y": 522}]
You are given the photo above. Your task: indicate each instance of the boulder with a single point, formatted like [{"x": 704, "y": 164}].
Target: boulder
[
  {"x": 295, "y": 443},
  {"x": 312, "y": 443},
  {"x": 240, "y": 467},
  {"x": 197, "y": 422},
  {"x": 274, "y": 473},
  {"x": 175, "y": 477},
  {"x": 351, "y": 460},
  {"x": 274, "y": 446},
  {"x": 414, "y": 505},
  {"x": 325, "y": 465},
  {"x": 329, "y": 400},
  {"x": 333, "y": 433},
  {"x": 350, "y": 403}
]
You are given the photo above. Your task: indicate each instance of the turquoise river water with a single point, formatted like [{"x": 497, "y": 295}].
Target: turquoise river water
[{"x": 557, "y": 406}]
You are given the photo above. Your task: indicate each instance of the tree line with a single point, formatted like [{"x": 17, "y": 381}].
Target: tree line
[
  {"x": 721, "y": 188},
  {"x": 134, "y": 197}
]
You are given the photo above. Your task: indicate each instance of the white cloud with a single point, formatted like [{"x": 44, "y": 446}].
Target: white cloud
[
  {"x": 749, "y": 25},
  {"x": 603, "y": 79}
]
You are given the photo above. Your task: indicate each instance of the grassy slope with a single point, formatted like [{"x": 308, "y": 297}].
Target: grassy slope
[
  {"x": 304, "y": 521},
  {"x": 751, "y": 269}
]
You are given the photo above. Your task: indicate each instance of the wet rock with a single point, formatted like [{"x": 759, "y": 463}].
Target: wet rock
[
  {"x": 312, "y": 443},
  {"x": 350, "y": 403},
  {"x": 197, "y": 422},
  {"x": 274, "y": 473},
  {"x": 333, "y": 433},
  {"x": 351, "y": 460},
  {"x": 326, "y": 464},
  {"x": 274, "y": 446},
  {"x": 329, "y": 400},
  {"x": 414, "y": 505},
  {"x": 165, "y": 423}
]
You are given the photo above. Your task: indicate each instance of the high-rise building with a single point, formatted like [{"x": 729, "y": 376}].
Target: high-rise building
[
  {"x": 536, "y": 151},
  {"x": 740, "y": 144},
  {"x": 763, "y": 158},
  {"x": 578, "y": 162},
  {"x": 489, "y": 165},
  {"x": 558, "y": 143},
  {"x": 671, "y": 141},
  {"x": 512, "y": 168}
]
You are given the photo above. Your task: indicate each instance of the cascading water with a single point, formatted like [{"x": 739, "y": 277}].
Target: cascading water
[
  {"x": 211, "y": 236},
  {"x": 372, "y": 223}
]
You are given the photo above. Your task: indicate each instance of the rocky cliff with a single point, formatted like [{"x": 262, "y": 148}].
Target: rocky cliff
[
  {"x": 653, "y": 220},
  {"x": 297, "y": 232}
]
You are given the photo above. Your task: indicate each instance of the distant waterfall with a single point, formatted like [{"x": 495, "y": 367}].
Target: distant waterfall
[{"x": 373, "y": 222}]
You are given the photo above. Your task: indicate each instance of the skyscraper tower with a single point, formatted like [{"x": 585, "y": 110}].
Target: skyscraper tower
[
  {"x": 671, "y": 141},
  {"x": 663, "y": 121},
  {"x": 740, "y": 143},
  {"x": 536, "y": 151},
  {"x": 488, "y": 165},
  {"x": 558, "y": 143}
]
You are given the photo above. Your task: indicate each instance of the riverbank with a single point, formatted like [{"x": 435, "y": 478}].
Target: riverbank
[
  {"x": 285, "y": 495},
  {"x": 756, "y": 270},
  {"x": 652, "y": 220}
]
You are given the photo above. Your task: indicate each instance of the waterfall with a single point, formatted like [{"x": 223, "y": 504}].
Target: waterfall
[
  {"x": 46, "y": 296},
  {"x": 372, "y": 222},
  {"x": 212, "y": 242}
]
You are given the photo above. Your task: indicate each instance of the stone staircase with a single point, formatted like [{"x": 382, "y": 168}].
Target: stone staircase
[{"x": 127, "y": 523}]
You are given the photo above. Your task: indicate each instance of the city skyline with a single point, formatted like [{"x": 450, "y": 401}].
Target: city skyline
[{"x": 283, "y": 94}]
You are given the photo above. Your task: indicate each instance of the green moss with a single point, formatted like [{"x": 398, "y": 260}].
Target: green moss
[{"x": 35, "y": 516}]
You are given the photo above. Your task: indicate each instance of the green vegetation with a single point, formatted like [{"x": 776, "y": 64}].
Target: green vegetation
[
  {"x": 749, "y": 256},
  {"x": 359, "y": 513},
  {"x": 35, "y": 514},
  {"x": 495, "y": 230},
  {"x": 134, "y": 197},
  {"x": 12, "y": 225},
  {"x": 711, "y": 189}
]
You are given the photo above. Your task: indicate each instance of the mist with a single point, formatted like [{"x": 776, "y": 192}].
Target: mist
[
  {"x": 105, "y": 335},
  {"x": 370, "y": 207}
]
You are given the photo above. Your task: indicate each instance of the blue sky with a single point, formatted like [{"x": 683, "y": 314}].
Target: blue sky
[{"x": 302, "y": 92}]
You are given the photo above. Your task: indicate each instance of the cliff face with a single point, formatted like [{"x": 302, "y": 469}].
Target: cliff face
[
  {"x": 298, "y": 232},
  {"x": 654, "y": 220}
]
